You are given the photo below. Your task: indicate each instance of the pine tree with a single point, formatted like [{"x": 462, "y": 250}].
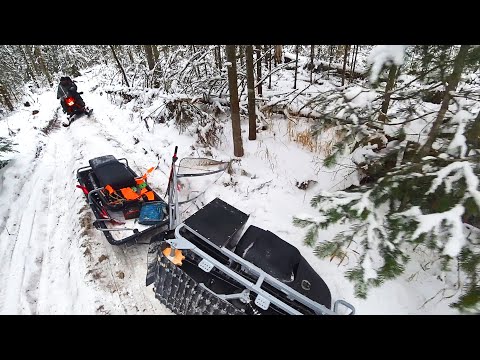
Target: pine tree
[{"x": 412, "y": 199}]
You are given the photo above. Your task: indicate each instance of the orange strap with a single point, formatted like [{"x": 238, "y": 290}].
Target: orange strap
[
  {"x": 148, "y": 172},
  {"x": 129, "y": 194},
  {"x": 144, "y": 177},
  {"x": 150, "y": 195}
]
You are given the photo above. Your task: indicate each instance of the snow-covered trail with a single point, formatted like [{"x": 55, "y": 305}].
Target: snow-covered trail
[
  {"x": 34, "y": 268},
  {"x": 51, "y": 260}
]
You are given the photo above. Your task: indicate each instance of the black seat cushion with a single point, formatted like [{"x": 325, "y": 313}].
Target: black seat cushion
[
  {"x": 269, "y": 252},
  {"x": 110, "y": 171},
  {"x": 218, "y": 221},
  {"x": 307, "y": 282},
  {"x": 284, "y": 262}
]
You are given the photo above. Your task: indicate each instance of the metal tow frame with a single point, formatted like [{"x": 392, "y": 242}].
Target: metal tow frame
[{"x": 263, "y": 297}]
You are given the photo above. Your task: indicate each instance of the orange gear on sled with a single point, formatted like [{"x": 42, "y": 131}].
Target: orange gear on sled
[
  {"x": 177, "y": 258},
  {"x": 134, "y": 193}
]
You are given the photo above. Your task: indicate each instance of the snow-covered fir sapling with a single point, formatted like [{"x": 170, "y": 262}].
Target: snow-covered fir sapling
[
  {"x": 422, "y": 189},
  {"x": 6, "y": 146}
]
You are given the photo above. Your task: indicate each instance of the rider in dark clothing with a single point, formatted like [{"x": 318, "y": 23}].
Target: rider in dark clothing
[{"x": 67, "y": 87}]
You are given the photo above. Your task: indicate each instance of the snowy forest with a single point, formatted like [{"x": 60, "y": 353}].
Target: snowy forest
[{"x": 364, "y": 157}]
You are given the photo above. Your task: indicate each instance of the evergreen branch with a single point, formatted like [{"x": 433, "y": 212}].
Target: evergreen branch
[
  {"x": 311, "y": 236},
  {"x": 302, "y": 222}
]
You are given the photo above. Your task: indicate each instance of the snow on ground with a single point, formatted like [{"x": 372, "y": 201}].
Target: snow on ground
[{"x": 53, "y": 262}]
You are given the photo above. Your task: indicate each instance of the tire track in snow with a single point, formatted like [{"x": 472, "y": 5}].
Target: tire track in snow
[
  {"x": 39, "y": 260},
  {"x": 50, "y": 264},
  {"x": 7, "y": 249},
  {"x": 114, "y": 269},
  {"x": 25, "y": 257},
  {"x": 19, "y": 175},
  {"x": 63, "y": 274}
]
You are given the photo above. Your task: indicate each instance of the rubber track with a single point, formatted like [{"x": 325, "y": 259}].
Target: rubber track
[{"x": 183, "y": 295}]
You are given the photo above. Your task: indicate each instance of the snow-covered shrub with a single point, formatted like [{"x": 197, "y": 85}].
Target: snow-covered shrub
[
  {"x": 417, "y": 196},
  {"x": 6, "y": 146},
  {"x": 416, "y": 205}
]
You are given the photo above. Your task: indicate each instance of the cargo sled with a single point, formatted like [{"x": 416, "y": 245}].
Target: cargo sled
[
  {"x": 211, "y": 264},
  {"x": 126, "y": 208}
]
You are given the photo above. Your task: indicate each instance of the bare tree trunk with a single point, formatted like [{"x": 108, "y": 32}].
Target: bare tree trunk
[
  {"x": 392, "y": 75},
  {"x": 270, "y": 69},
  {"x": 330, "y": 61},
  {"x": 156, "y": 54},
  {"x": 41, "y": 62},
  {"x": 205, "y": 68},
  {"x": 278, "y": 54},
  {"x": 354, "y": 61},
  {"x": 149, "y": 53},
  {"x": 119, "y": 65},
  {"x": 194, "y": 65},
  {"x": 241, "y": 51},
  {"x": 234, "y": 106},
  {"x": 258, "y": 52},
  {"x": 252, "y": 119},
  {"x": 220, "y": 57},
  {"x": 215, "y": 57},
  {"x": 265, "y": 50},
  {"x": 29, "y": 68},
  {"x": 296, "y": 67},
  {"x": 151, "y": 64},
  {"x": 345, "y": 57},
  {"x": 104, "y": 50},
  {"x": 452, "y": 83},
  {"x": 6, "y": 97},
  {"x": 28, "y": 50},
  {"x": 351, "y": 62},
  {"x": 130, "y": 55},
  {"x": 312, "y": 54}
]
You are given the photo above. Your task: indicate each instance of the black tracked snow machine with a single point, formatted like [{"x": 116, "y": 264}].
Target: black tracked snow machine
[{"x": 211, "y": 263}]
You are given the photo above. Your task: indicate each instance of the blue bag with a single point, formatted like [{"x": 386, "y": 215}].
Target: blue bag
[{"x": 151, "y": 213}]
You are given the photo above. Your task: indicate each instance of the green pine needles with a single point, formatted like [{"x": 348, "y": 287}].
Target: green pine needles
[
  {"x": 6, "y": 146},
  {"x": 414, "y": 205}
]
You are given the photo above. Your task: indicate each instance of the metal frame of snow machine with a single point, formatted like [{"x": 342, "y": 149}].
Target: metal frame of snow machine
[
  {"x": 205, "y": 265},
  {"x": 94, "y": 194}
]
